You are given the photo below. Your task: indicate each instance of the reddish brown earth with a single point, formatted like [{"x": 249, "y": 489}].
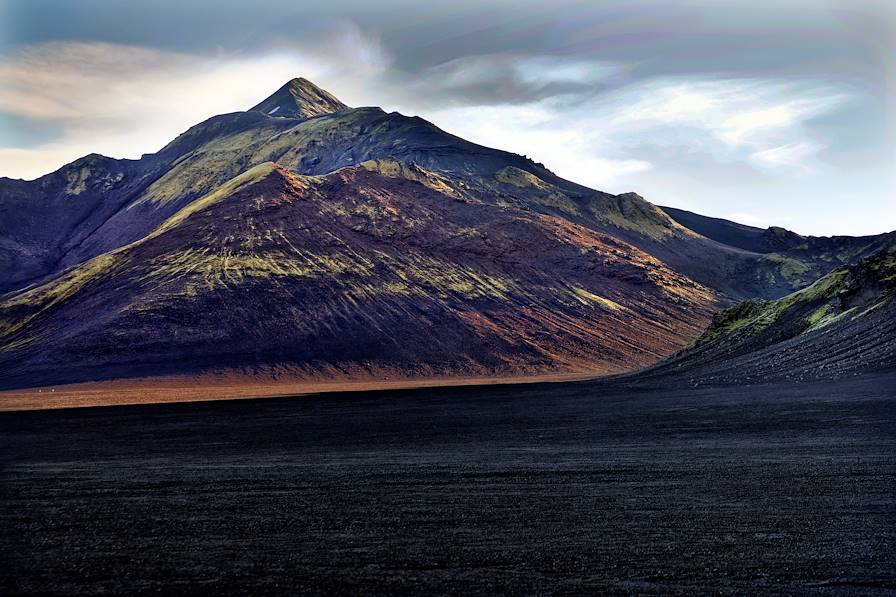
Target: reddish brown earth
[{"x": 205, "y": 388}]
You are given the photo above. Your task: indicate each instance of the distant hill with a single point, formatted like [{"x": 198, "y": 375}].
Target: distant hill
[
  {"x": 842, "y": 325},
  {"x": 810, "y": 256}
]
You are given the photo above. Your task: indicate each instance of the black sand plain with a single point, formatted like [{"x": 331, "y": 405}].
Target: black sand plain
[{"x": 588, "y": 487}]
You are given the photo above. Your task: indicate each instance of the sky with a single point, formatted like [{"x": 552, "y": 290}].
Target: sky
[{"x": 764, "y": 112}]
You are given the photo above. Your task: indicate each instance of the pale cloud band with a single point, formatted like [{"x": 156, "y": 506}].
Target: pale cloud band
[{"x": 126, "y": 100}]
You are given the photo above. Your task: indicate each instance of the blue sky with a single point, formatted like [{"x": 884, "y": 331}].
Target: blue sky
[{"x": 768, "y": 113}]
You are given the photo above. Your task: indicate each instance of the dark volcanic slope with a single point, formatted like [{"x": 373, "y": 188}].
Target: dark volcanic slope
[
  {"x": 842, "y": 325},
  {"x": 378, "y": 269}
]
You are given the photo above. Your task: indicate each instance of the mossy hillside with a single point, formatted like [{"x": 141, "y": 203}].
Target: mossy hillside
[
  {"x": 314, "y": 146},
  {"x": 444, "y": 278},
  {"x": 775, "y": 269},
  {"x": 19, "y": 310},
  {"x": 225, "y": 268},
  {"x": 753, "y": 317},
  {"x": 78, "y": 180},
  {"x": 521, "y": 179},
  {"x": 93, "y": 172},
  {"x": 589, "y": 298},
  {"x": 733, "y": 319},
  {"x": 883, "y": 267},
  {"x": 323, "y": 145},
  {"x": 203, "y": 271},
  {"x": 433, "y": 180},
  {"x": 631, "y": 212},
  {"x": 207, "y": 167},
  {"x": 537, "y": 190},
  {"x": 269, "y": 253},
  {"x": 234, "y": 185}
]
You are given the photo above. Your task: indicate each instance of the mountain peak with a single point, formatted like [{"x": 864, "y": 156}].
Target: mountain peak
[{"x": 300, "y": 98}]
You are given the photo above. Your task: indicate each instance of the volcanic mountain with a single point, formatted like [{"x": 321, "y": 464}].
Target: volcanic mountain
[{"x": 306, "y": 239}]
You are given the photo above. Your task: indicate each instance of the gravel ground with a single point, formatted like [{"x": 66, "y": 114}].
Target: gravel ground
[{"x": 561, "y": 488}]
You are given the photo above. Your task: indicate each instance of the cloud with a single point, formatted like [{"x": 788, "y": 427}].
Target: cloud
[
  {"x": 601, "y": 137},
  {"x": 509, "y": 78},
  {"x": 732, "y": 114},
  {"x": 792, "y": 156},
  {"x": 123, "y": 101}
]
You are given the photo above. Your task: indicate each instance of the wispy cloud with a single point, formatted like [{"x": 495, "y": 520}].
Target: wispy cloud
[
  {"x": 600, "y": 137},
  {"x": 751, "y": 115},
  {"x": 510, "y": 79},
  {"x": 793, "y": 156}
]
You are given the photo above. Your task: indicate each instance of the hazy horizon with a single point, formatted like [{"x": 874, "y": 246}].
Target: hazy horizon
[{"x": 766, "y": 115}]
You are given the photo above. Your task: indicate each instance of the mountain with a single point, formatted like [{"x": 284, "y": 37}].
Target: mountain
[
  {"x": 308, "y": 239},
  {"x": 97, "y": 204},
  {"x": 380, "y": 269},
  {"x": 842, "y": 325},
  {"x": 300, "y": 98}
]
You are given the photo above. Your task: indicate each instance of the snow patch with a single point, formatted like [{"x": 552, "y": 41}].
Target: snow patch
[{"x": 274, "y": 110}]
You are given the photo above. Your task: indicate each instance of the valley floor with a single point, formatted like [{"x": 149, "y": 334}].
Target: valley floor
[{"x": 577, "y": 487}]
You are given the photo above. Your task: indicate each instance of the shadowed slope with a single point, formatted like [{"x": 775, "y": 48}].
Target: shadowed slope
[
  {"x": 784, "y": 258},
  {"x": 724, "y": 231},
  {"x": 42, "y": 221}
]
